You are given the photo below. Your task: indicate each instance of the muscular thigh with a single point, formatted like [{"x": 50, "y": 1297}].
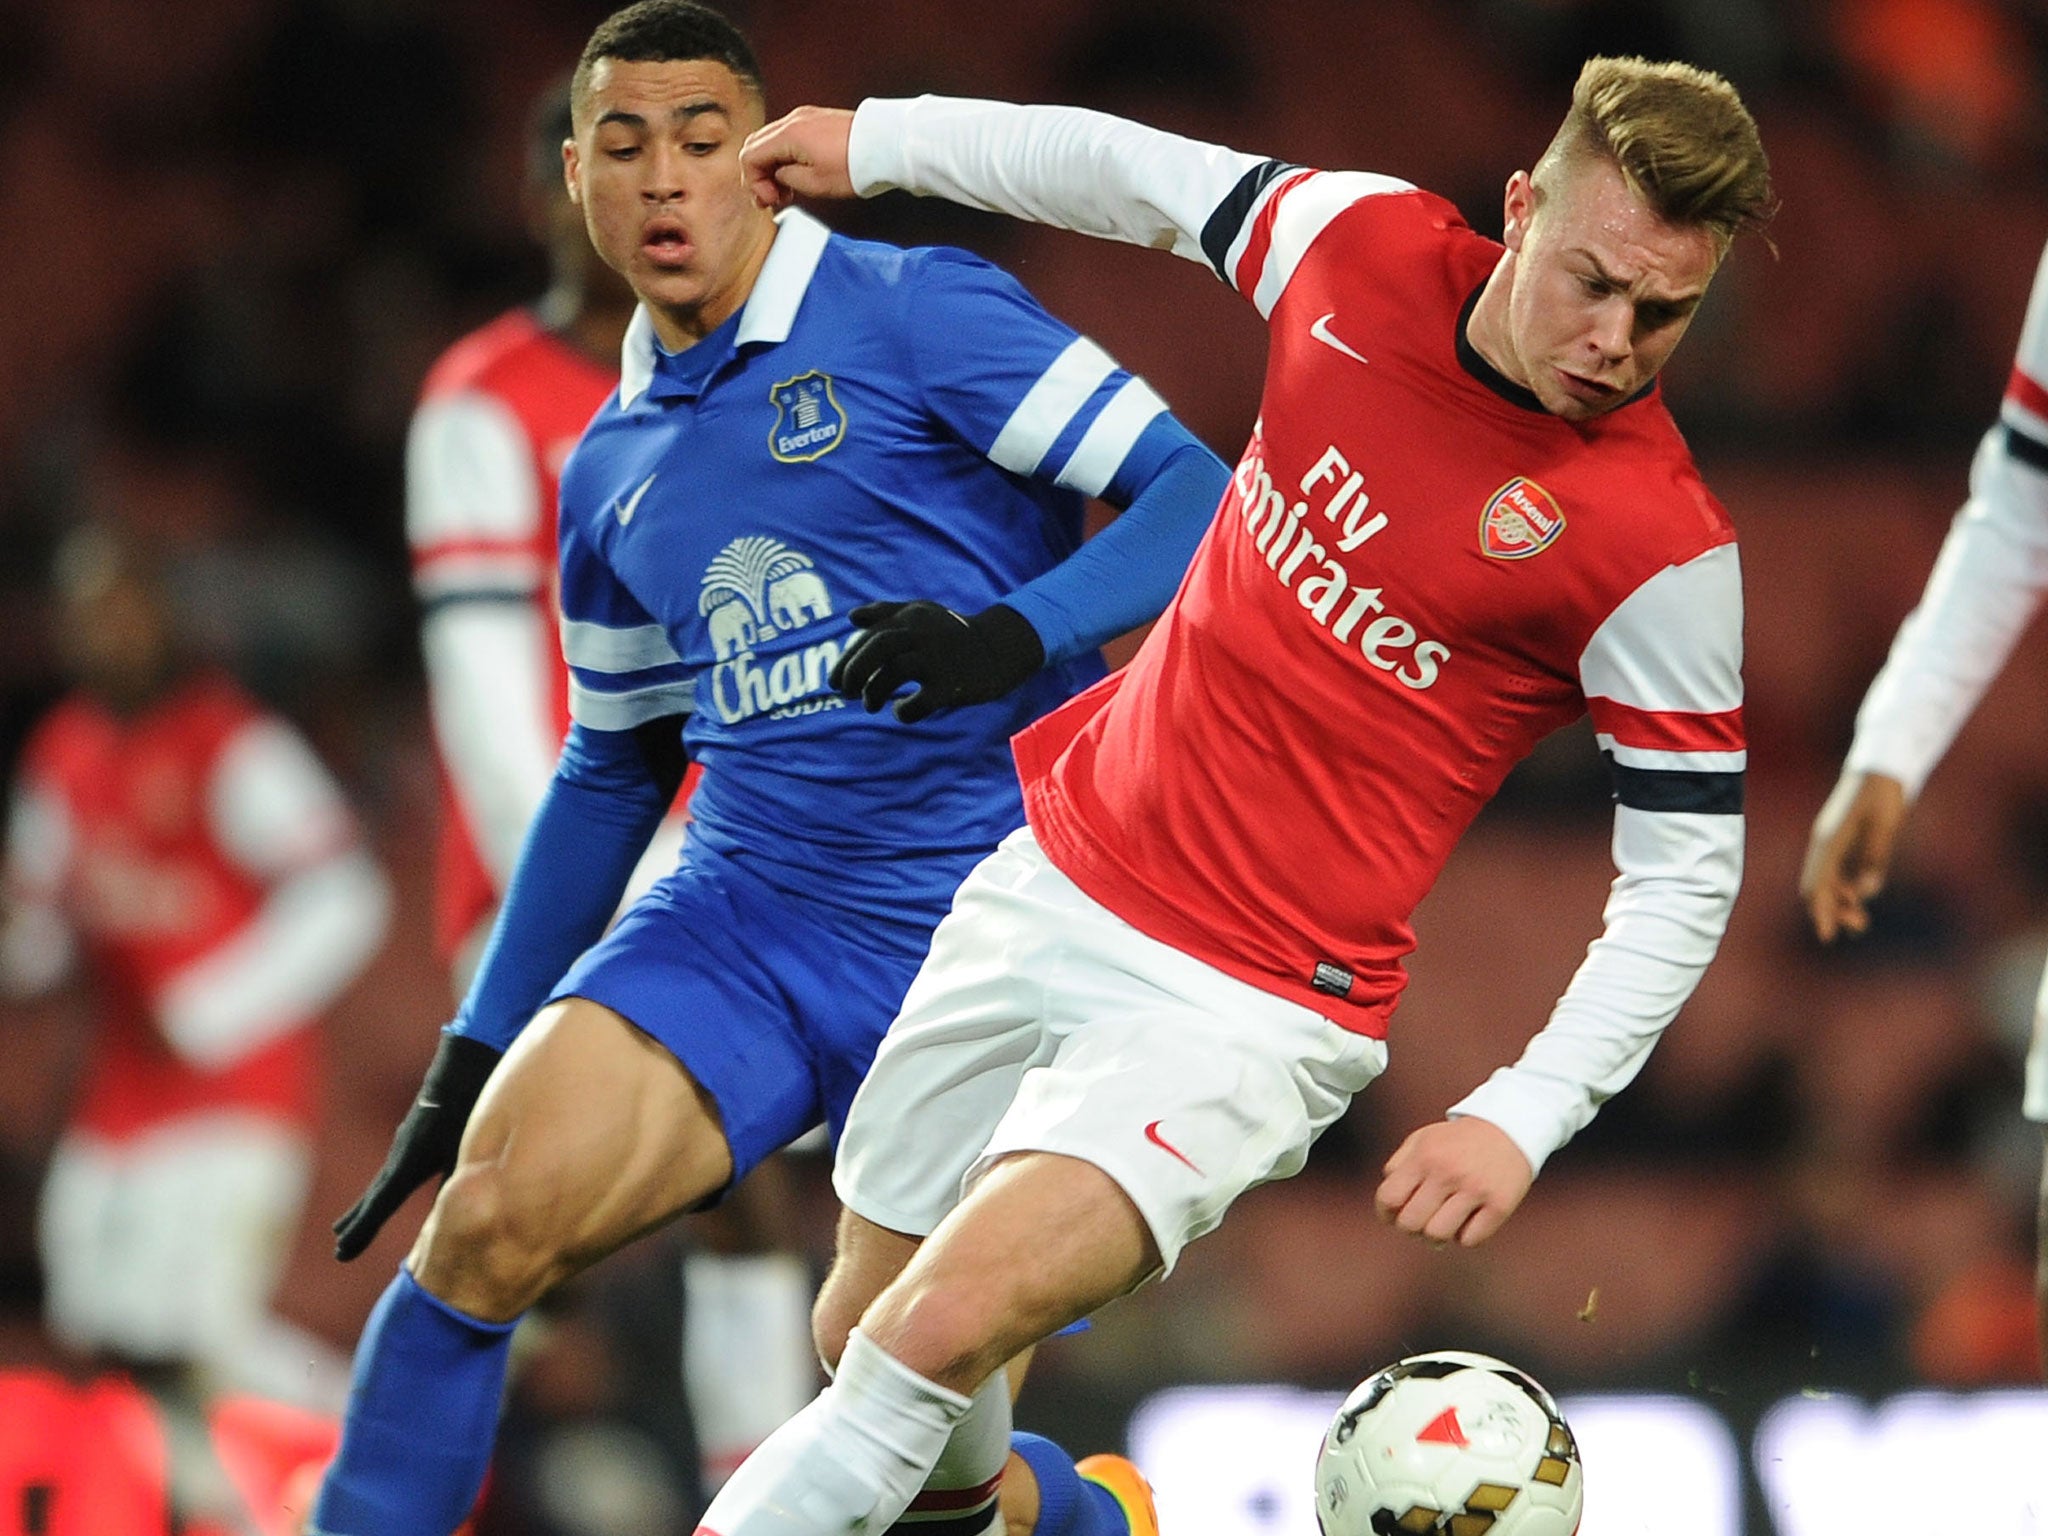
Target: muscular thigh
[{"x": 588, "y": 1134}]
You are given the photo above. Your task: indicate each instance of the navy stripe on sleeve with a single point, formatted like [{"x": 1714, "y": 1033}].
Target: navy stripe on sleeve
[
  {"x": 2030, "y": 451},
  {"x": 1675, "y": 789},
  {"x": 1221, "y": 231},
  {"x": 522, "y": 596}
]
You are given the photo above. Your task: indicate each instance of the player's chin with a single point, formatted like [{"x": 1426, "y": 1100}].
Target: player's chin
[{"x": 669, "y": 286}]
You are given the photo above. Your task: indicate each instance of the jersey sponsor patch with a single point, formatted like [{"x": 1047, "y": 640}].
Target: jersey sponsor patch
[
  {"x": 754, "y": 590},
  {"x": 809, "y": 422},
  {"x": 1521, "y": 520}
]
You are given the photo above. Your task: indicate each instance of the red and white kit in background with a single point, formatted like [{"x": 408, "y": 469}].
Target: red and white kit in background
[
  {"x": 498, "y": 415},
  {"x": 1418, "y": 574},
  {"x": 1985, "y": 588},
  {"x": 200, "y": 862}
]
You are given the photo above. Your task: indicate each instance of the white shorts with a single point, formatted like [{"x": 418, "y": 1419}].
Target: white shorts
[
  {"x": 167, "y": 1247},
  {"x": 1043, "y": 1022}
]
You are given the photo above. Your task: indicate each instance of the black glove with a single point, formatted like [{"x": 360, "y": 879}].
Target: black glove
[
  {"x": 427, "y": 1139},
  {"x": 952, "y": 659}
]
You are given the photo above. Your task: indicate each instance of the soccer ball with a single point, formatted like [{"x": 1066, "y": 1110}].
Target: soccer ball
[{"x": 1449, "y": 1444}]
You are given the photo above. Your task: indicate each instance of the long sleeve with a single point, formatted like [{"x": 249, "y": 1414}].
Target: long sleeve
[
  {"x": 325, "y": 909},
  {"x": 1064, "y": 166},
  {"x": 37, "y": 945},
  {"x": 1248, "y": 219},
  {"x": 1127, "y": 573},
  {"x": 1663, "y": 684},
  {"x": 1986, "y": 584},
  {"x": 473, "y": 519},
  {"x": 600, "y": 809}
]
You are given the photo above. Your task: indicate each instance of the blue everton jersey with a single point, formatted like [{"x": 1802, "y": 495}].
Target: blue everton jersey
[{"x": 875, "y": 424}]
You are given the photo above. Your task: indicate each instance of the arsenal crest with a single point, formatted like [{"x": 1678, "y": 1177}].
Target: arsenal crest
[
  {"x": 1521, "y": 520},
  {"x": 808, "y": 421}
]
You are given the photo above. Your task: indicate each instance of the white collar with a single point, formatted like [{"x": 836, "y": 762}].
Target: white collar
[{"x": 770, "y": 310}]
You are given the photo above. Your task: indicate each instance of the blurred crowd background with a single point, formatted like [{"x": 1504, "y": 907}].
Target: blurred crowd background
[{"x": 234, "y": 233}]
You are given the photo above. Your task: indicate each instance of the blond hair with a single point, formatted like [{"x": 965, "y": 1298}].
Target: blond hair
[{"x": 1681, "y": 138}]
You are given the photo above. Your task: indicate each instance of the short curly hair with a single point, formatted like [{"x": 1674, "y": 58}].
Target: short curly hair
[{"x": 655, "y": 31}]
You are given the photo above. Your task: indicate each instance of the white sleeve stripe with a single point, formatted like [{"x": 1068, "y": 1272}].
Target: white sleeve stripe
[
  {"x": 1675, "y": 643},
  {"x": 623, "y": 711},
  {"x": 1110, "y": 438},
  {"x": 601, "y": 648},
  {"x": 1312, "y": 205},
  {"x": 1042, "y": 415},
  {"x": 452, "y": 575},
  {"x": 313, "y": 935},
  {"x": 469, "y": 472},
  {"x": 1684, "y": 762}
]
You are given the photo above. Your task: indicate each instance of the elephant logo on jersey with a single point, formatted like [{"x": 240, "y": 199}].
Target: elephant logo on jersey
[
  {"x": 808, "y": 420},
  {"x": 756, "y": 589},
  {"x": 1521, "y": 520}
]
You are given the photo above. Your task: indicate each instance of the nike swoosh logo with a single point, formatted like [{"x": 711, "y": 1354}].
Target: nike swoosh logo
[
  {"x": 1321, "y": 331},
  {"x": 628, "y": 507},
  {"x": 1152, "y": 1135}
]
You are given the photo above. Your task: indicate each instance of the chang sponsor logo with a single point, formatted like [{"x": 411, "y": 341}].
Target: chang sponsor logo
[
  {"x": 1334, "y": 505},
  {"x": 755, "y": 591}
]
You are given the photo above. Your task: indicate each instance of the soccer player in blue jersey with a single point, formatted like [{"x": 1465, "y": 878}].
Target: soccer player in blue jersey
[{"x": 807, "y": 429}]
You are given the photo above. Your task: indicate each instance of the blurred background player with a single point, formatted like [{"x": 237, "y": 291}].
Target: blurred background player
[
  {"x": 184, "y": 849},
  {"x": 805, "y": 425},
  {"x": 499, "y": 414},
  {"x": 1986, "y": 585}
]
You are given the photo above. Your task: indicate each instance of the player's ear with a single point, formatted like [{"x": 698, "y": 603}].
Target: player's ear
[
  {"x": 1518, "y": 207},
  {"x": 572, "y": 172}
]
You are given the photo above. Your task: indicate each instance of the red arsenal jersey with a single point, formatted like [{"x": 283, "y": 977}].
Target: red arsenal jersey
[
  {"x": 158, "y": 838},
  {"x": 1417, "y": 574},
  {"x": 498, "y": 415}
]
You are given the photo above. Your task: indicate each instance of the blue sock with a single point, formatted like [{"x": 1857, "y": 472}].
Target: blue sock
[
  {"x": 1068, "y": 1504},
  {"x": 422, "y": 1414}
]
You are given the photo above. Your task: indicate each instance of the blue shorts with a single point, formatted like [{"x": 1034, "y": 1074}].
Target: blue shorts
[{"x": 773, "y": 1002}]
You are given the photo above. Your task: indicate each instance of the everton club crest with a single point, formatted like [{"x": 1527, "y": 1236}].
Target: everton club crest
[
  {"x": 1521, "y": 520},
  {"x": 808, "y": 421}
]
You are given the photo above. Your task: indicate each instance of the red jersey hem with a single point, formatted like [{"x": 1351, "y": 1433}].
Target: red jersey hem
[{"x": 1069, "y": 850}]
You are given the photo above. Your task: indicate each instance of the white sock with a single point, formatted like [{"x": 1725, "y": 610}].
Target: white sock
[
  {"x": 960, "y": 1497},
  {"x": 748, "y": 1362},
  {"x": 851, "y": 1461}
]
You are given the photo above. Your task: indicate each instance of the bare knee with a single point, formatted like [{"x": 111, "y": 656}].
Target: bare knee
[
  {"x": 834, "y": 1314},
  {"x": 869, "y": 1258},
  {"x": 480, "y": 1251},
  {"x": 948, "y": 1335}
]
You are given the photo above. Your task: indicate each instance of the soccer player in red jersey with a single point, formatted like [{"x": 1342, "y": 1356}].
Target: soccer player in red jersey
[
  {"x": 1464, "y": 519},
  {"x": 498, "y": 414},
  {"x": 182, "y": 849},
  {"x": 1985, "y": 587}
]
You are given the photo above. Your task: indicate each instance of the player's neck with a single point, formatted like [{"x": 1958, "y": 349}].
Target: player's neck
[
  {"x": 1487, "y": 328},
  {"x": 680, "y": 327}
]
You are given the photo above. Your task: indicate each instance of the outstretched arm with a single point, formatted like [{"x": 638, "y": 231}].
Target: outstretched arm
[
  {"x": 1662, "y": 680},
  {"x": 1986, "y": 585},
  {"x": 1074, "y": 169}
]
